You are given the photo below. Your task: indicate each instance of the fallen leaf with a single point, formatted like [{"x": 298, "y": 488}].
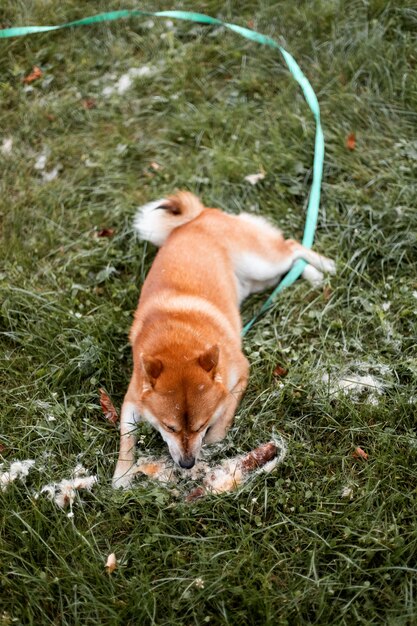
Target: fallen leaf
[
  {"x": 3, "y": 448},
  {"x": 351, "y": 141},
  {"x": 280, "y": 372},
  {"x": 155, "y": 166},
  {"x": 360, "y": 454},
  {"x": 111, "y": 563},
  {"x": 327, "y": 292},
  {"x": 89, "y": 103},
  {"x": 109, "y": 411},
  {"x": 250, "y": 24},
  {"x": 34, "y": 75},
  {"x": 254, "y": 178},
  {"x": 105, "y": 232}
]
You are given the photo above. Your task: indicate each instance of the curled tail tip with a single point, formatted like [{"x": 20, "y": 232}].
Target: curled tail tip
[
  {"x": 156, "y": 220},
  {"x": 185, "y": 203}
]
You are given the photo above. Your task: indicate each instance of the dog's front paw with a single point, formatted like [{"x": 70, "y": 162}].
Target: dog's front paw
[{"x": 122, "y": 479}]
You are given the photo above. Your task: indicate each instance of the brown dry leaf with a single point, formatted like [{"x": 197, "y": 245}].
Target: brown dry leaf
[
  {"x": 327, "y": 292},
  {"x": 360, "y": 454},
  {"x": 34, "y": 75},
  {"x": 111, "y": 563},
  {"x": 107, "y": 405},
  {"x": 3, "y": 448},
  {"x": 351, "y": 141},
  {"x": 89, "y": 103},
  {"x": 105, "y": 232},
  {"x": 280, "y": 372}
]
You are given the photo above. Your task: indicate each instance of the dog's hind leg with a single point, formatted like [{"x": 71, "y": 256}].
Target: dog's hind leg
[
  {"x": 318, "y": 261},
  {"x": 261, "y": 256}
]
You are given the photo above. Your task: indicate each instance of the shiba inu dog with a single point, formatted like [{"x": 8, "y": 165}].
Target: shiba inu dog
[{"x": 189, "y": 371}]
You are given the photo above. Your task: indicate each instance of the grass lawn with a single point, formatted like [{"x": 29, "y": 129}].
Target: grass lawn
[{"x": 326, "y": 538}]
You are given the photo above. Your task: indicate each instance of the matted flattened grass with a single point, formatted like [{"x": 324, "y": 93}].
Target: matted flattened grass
[{"x": 327, "y": 538}]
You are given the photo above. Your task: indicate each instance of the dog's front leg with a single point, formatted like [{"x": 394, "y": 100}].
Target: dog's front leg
[
  {"x": 129, "y": 418},
  {"x": 218, "y": 431}
]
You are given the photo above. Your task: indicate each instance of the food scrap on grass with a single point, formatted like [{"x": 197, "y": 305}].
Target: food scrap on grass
[
  {"x": 111, "y": 563},
  {"x": 226, "y": 476}
]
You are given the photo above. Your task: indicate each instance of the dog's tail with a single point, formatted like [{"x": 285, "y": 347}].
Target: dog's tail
[{"x": 156, "y": 220}]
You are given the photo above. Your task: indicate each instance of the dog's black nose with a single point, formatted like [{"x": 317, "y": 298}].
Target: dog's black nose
[{"x": 187, "y": 462}]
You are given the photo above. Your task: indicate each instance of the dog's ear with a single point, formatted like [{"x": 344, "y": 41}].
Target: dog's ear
[
  {"x": 209, "y": 359},
  {"x": 151, "y": 367}
]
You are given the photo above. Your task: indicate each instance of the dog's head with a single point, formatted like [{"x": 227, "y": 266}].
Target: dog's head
[{"x": 182, "y": 400}]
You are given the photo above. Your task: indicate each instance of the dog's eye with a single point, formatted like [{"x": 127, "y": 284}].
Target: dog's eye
[{"x": 170, "y": 428}]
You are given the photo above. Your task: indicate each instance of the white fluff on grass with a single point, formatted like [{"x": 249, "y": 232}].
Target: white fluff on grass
[
  {"x": 18, "y": 471},
  {"x": 64, "y": 492},
  {"x": 7, "y": 146},
  {"x": 126, "y": 80},
  {"x": 253, "y": 179},
  {"x": 40, "y": 165},
  {"x": 347, "y": 492},
  {"x": 357, "y": 386}
]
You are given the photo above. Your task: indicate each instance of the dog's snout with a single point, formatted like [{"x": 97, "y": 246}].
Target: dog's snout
[{"x": 187, "y": 462}]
